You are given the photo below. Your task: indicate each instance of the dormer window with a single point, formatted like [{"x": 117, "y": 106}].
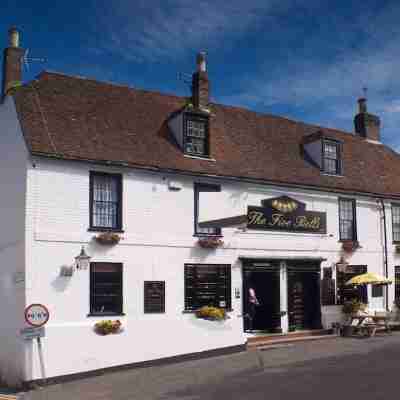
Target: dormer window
[
  {"x": 331, "y": 157},
  {"x": 196, "y": 136}
]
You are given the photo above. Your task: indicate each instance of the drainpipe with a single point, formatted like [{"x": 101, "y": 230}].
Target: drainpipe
[{"x": 385, "y": 252}]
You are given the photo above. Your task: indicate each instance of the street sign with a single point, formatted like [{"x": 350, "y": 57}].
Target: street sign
[
  {"x": 36, "y": 315},
  {"x": 30, "y": 333}
]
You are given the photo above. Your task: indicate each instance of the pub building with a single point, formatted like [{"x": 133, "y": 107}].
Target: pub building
[{"x": 139, "y": 206}]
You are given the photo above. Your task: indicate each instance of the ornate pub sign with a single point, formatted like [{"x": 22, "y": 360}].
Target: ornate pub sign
[{"x": 285, "y": 214}]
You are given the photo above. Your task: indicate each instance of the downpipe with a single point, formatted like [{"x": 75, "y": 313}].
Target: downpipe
[{"x": 385, "y": 251}]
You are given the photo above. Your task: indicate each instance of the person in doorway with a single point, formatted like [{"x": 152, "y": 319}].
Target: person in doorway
[{"x": 252, "y": 304}]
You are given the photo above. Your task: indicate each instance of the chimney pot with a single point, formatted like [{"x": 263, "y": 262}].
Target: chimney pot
[
  {"x": 362, "y": 105},
  {"x": 201, "y": 62},
  {"x": 13, "y": 37}
]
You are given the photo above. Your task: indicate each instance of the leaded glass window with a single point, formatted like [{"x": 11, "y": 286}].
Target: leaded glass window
[
  {"x": 347, "y": 219},
  {"x": 196, "y": 138},
  {"x": 105, "y": 200},
  {"x": 331, "y": 157},
  {"x": 396, "y": 222},
  {"x": 207, "y": 285}
]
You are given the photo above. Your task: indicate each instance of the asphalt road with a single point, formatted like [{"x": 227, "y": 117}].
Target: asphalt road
[{"x": 343, "y": 368}]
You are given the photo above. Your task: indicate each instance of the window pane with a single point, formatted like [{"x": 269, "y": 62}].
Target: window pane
[
  {"x": 105, "y": 206},
  {"x": 106, "y": 288},
  {"x": 331, "y": 164},
  {"x": 346, "y": 219},
  {"x": 207, "y": 285},
  {"x": 198, "y": 190},
  {"x": 396, "y": 222},
  {"x": 347, "y": 293},
  {"x": 196, "y": 137}
]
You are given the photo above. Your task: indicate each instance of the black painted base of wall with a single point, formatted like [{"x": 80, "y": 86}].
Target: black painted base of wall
[{"x": 30, "y": 385}]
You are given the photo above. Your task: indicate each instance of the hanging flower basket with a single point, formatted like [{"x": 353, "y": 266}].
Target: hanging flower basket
[
  {"x": 210, "y": 242},
  {"x": 108, "y": 327},
  {"x": 108, "y": 238},
  {"x": 212, "y": 313},
  {"x": 350, "y": 245}
]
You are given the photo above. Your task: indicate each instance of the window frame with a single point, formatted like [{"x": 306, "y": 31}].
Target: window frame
[
  {"x": 397, "y": 206},
  {"x": 200, "y": 118},
  {"x": 92, "y": 286},
  {"x": 227, "y": 270},
  {"x": 338, "y": 158},
  {"x": 354, "y": 213},
  {"x": 196, "y": 189},
  {"x": 359, "y": 291},
  {"x": 118, "y": 177}
]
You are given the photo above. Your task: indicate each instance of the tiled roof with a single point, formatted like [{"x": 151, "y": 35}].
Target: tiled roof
[{"x": 76, "y": 118}]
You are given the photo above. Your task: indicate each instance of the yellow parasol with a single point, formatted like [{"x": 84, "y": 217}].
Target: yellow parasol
[{"x": 369, "y": 278}]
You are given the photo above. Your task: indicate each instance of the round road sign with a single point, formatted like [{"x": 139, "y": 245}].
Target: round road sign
[{"x": 36, "y": 315}]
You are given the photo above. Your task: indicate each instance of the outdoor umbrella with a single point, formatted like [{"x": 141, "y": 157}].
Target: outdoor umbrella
[{"x": 369, "y": 278}]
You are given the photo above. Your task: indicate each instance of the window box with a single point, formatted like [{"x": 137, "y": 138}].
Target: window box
[
  {"x": 350, "y": 245},
  {"x": 212, "y": 313},
  {"x": 210, "y": 242},
  {"x": 107, "y": 326},
  {"x": 108, "y": 238}
]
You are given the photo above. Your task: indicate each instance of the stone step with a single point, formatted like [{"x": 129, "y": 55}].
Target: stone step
[{"x": 277, "y": 343}]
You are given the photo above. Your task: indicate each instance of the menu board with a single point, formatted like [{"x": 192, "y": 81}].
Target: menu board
[{"x": 154, "y": 296}]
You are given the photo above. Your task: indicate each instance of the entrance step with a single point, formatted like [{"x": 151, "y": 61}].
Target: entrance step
[{"x": 274, "y": 339}]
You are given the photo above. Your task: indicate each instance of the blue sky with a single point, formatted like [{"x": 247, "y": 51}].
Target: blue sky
[{"x": 306, "y": 60}]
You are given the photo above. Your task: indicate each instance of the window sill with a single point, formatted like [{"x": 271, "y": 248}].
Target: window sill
[
  {"x": 105, "y": 315},
  {"x": 204, "y": 158},
  {"x": 193, "y": 311},
  {"x": 335, "y": 175},
  {"x": 115, "y": 230},
  {"x": 204, "y": 235}
]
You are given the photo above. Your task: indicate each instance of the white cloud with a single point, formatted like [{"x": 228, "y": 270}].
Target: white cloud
[{"x": 159, "y": 30}]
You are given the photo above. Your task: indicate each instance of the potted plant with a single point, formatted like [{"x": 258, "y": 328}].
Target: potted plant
[
  {"x": 350, "y": 245},
  {"x": 212, "y": 313},
  {"x": 106, "y": 327},
  {"x": 351, "y": 308},
  {"x": 108, "y": 238},
  {"x": 210, "y": 242}
]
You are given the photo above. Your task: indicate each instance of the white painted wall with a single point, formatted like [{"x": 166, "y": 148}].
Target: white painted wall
[
  {"x": 158, "y": 241},
  {"x": 13, "y": 164}
]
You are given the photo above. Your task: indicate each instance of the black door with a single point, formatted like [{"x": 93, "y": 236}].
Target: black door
[
  {"x": 304, "y": 296},
  {"x": 265, "y": 282}
]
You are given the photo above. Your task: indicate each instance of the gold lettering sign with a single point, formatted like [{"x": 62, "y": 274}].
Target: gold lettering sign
[{"x": 291, "y": 217}]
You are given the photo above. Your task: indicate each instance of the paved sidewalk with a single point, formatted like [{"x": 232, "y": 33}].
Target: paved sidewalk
[{"x": 157, "y": 382}]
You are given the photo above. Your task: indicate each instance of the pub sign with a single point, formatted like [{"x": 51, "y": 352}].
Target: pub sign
[{"x": 285, "y": 214}]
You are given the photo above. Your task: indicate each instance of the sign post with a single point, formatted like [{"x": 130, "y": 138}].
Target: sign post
[{"x": 36, "y": 315}]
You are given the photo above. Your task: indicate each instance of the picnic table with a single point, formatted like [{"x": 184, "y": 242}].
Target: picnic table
[{"x": 368, "y": 324}]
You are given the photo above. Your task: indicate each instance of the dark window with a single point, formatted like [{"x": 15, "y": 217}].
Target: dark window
[
  {"x": 396, "y": 222},
  {"x": 105, "y": 288},
  {"x": 207, "y": 285},
  {"x": 349, "y": 292},
  {"x": 105, "y": 201},
  {"x": 397, "y": 284},
  {"x": 331, "y": 157},
  {"x": 347, "y": 219},
  {"x": 198, "y": 189},
  {"x": 377, "y": 291},
  {"x": 196, "y": 136}
]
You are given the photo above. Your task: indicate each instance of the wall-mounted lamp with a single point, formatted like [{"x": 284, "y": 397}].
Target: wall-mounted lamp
[
  {"x": 237, "y": 293},
  {"x": 83, "y": 260}
]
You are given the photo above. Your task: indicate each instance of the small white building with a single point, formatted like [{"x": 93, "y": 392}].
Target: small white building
[{"x": 279, "y": 199}]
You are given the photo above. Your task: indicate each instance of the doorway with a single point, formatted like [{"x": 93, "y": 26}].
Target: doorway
[
  {"x": 264, "y": 279},
  {"x": 304, "y": 303}
]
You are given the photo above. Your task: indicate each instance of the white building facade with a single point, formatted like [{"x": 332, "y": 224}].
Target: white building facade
[{"x": 52, "y": 206}]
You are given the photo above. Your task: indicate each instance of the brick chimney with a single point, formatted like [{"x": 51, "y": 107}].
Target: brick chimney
[
  {"x": 200, "y": 83},
  {"x": 366, "y": 125},
  {"x": 12, "y": 63}
]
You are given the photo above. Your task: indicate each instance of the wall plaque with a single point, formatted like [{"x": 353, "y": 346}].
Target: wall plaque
[
  {"x": 154, "y": 297},
  {"x": 285, "y": 214}
]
